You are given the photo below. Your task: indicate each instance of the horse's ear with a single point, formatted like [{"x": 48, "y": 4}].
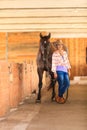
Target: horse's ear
[
  {"x": 41, "y": 35},
  {"x": 49, "y": 35}
]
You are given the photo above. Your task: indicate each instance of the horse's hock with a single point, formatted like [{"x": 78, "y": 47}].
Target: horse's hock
[{"x": 17, "y": 81}]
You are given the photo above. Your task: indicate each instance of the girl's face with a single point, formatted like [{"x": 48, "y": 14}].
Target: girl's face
[{"x": 60, "y": 47}]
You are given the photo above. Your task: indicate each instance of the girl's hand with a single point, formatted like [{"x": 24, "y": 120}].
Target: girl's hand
[{"x": 55, "y": 75}]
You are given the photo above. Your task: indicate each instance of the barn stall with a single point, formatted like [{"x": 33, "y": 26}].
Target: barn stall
[{"x": 21, "y": 21}]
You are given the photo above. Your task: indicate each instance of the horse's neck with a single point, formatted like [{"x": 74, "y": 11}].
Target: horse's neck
[{"x": 48, "y": 48}]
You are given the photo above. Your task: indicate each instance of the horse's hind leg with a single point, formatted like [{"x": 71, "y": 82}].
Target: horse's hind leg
[{"x": 40, "y": 76}]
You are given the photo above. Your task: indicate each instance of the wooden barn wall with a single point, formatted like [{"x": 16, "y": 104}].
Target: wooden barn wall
[
  {"x": 77, "y": 55},
  {"x": 2, "y": 45},
  {"x": 23, "y": 47}
]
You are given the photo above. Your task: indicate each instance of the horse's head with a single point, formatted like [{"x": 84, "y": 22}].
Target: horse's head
[
  {"x": 45, "y": 40},
  {"x": 45, "y": 46}
]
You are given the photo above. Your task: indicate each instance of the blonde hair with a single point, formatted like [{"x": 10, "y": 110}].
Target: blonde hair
[{"x": 60, "y": 42}]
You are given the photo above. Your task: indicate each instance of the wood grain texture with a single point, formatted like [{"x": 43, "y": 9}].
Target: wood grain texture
[
  {"x": 43, "y": 12},
  {"x": 60, "y": 16},
  {"x": 42, "y": 4}
]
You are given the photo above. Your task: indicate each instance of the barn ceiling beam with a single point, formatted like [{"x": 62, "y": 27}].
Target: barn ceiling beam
[
  {"x": 57, "y": 16},
  {"x": 43, "y": 20},
  {"x": 43, "y": 13},
  {"x": 42, "y": 3}
]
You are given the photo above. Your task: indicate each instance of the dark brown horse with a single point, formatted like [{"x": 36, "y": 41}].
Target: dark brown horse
[{"x": 44, "y": 62}]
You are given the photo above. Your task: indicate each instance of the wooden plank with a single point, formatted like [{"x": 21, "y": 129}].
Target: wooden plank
[
  {"x": 44, "y": 20},
  {"x": 76, "y": 55},
  {"x": 60, "y": 32},
  {"x": 56, "y": 32},
  {"x": 42, "y": 3},
  {"x": 69, "y": 35},
  {"x": 2, "y": 45},
  {"x": 43, "y": 26},
  {"x": 43, "y": 12}
]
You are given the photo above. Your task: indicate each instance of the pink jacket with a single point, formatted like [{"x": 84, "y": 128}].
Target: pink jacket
[{"x": 58, "y": 60}]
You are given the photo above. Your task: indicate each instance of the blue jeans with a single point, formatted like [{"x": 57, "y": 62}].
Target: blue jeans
[{"x": 63, "y": 81}]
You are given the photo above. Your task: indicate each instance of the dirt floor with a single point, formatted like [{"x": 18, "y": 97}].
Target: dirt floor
[{"x": 50, "y": 115}]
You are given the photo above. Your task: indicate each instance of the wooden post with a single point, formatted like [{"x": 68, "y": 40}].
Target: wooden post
[{"x": 7, "y": 46}]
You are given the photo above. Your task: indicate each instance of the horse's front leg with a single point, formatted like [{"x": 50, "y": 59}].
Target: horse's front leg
[
  {"x": 53, "y": 92},
  {"x": 40, "y": 76},
  {"x": 52, "y": 85}
]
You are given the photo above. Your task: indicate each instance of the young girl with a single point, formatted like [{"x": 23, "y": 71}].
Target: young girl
[{"x": 61, "y": 68}]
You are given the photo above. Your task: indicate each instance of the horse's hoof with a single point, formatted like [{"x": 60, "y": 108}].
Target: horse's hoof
[
  {"x": 53, "y": 99},
  {"x": 38, "y": 101}
]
